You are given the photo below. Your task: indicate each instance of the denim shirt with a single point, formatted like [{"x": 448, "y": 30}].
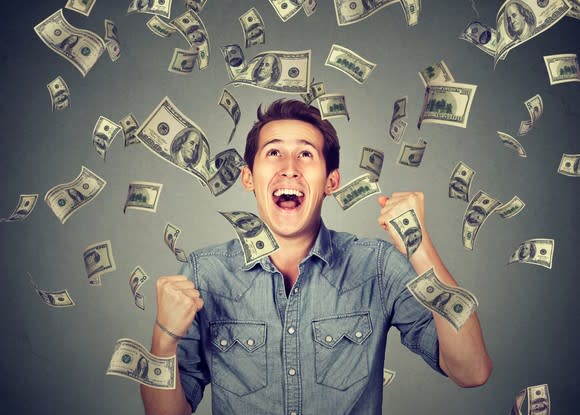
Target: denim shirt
[{"x": 319, "y": 350}]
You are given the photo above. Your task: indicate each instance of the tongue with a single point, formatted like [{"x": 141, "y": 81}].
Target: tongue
[{"x": 288, "y": 204}]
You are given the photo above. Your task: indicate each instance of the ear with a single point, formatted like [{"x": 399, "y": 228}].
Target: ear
[
  {"x": 246, "y": 178},
  {"x": 332, "y": 182}
]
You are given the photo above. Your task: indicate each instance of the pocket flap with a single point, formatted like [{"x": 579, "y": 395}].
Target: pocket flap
[
  {"x": 250, "y": 335},
  {"x": 329, "y": 331}
]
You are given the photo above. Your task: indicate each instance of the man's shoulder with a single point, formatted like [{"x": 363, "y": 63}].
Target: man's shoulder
[
  {"x": 346, "y": 241},
  {"x": 226, "y": 251}
]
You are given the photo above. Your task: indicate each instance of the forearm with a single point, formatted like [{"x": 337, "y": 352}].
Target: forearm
[{"x": 462, "y": 354}]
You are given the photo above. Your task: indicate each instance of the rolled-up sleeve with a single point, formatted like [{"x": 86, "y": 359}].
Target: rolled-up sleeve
[
  {"x": 414, "y": 322},
  {"x": 191, "y": 361}
]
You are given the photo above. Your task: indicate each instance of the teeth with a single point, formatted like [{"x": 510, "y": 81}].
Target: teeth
[{"x": 294, "y": 192}]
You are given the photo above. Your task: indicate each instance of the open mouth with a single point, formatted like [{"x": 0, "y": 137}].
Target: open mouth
[{"x": 288, "y": 198}]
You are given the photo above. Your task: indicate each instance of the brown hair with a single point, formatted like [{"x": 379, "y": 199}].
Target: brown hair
[{"x": 294, "y": 110}]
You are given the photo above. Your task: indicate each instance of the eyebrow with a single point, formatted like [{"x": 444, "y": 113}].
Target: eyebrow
[{"x": 278, "y": 140}]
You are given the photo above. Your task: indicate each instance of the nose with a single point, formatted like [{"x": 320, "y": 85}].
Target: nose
[{"x": 289, "y": 169}]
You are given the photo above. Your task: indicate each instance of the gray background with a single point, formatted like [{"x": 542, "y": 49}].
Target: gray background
[{"x": 54, "y": 360}]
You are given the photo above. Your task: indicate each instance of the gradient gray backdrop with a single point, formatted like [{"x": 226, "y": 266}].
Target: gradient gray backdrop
[{"x": 53, "y": 361}]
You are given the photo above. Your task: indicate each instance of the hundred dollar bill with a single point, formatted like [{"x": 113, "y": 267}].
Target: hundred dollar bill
[
  {"x": 80, "y": 6},
  {"x": 190, "y": 25},
  {"x": 332, "y": 106},
  {"x": 195, "y": 5},
  {"x": 535, "y": 107},
  {"x": 104, "y": 133},
  {"x": 562, "y": 68},
  {"x": 254, "y": 28},
  {"x": 412, "y": 155},
  {"x": 98, "y": 259},
  {"x": 143, "y": 196},
  {"x": 481, "y": 35},
  {"x": 518, "y": 402},
  {"x": 348, "y": 62},
  {"x": 398, "y": 124},
  {"x": 255, "y": 237},
  {"x": 59, "y": 94},
  {"x": 454, "y": 304},
  {"x": 160, "y": 7},
  {"x": 129, "y": 125},
  {"x": 160, "y": 27},
  {"x": 224, "y": 170},
  {"x": 317, "y": 89},
  {"x": 537, "y": 251},
  {"x": 538, "y": 400},
  {"x": 133, "y": 361},
  {"x": 388, "y": 377},
  {"x": 518, "y": 21},
  {"x": 57, "y": 299},
  {"x": 349, "y": 11},
  {"x": 183, "y": 61},
  {"x": 570, "y": 165},
  {"x": 409, "y": 229},
  {"x": 436, "y": 73},
  {"x": 235, "y": 60},
  {"x": 309, "y": 7},
  {"x": 80, "y": 47},
  {"x": 575, "y": 9},
  {"x": 286, "y": 9},
  {"x": 170, "y": 235},
  {"x": 478, "y": 210},
  {"x": 229, "y": 103},
  {"x": 447, "y": 103},
  {"x": 112, "y": 40},
  {"x": 372, "y": 161},
  {"x": 280, "y": 71},
  {"x": 26, "y": 204},
  {"x": 460, "y": 181},
  {"x": 512, "y": 143},
  {"x": 412, "y": 9},
  {"x": 511, "y": 208},
  {"x": 136, "y": 280},
  {"x": 65, "y": 199},
  {"x": 356, "y": 191}
]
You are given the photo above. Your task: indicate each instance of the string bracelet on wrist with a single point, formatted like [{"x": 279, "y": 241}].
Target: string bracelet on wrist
[{"x": 169, "y": 332}]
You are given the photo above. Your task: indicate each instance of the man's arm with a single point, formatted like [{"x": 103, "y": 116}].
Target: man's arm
[{"x": 462, "y": 354}]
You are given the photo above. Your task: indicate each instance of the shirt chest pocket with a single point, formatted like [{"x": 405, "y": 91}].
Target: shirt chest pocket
[
  {"x": 238, "y": 355},
  {"x": 341, "y": 356}
]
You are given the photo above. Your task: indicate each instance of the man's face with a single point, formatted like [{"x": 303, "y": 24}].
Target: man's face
[
  {"x": 525, "y": 250},
  {"x": 515, "y": 20},
  {"x": 289, "y": 177},
  {"x": 189, "y": 147},
  {"x": 265, "y": 68}
]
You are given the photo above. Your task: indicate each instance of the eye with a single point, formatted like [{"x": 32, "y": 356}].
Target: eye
[
  {"x": 305, "y": 153},
  {"x": 273, "y": 153}
]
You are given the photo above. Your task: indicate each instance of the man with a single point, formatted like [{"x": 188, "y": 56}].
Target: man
[
  {"x": 267, "y": 70},
  {"x": 520, "y": 21},
  {"x": 304, "y": 330}
]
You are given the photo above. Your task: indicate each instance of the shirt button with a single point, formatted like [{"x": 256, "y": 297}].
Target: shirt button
[
  {"x": 358, "y": 334},
  {"x": 250, "y": 342},
  {"x": 328, "y": 339},
  {"x": 295, "y": 290},
  {"x": 223, "y": 342},
  {"x": 291, "y": 330},
  {"x": 292, "y": 372},
  {"x": 293, "y": 413}
]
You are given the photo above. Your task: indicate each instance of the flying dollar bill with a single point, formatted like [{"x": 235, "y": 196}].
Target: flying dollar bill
[
  {"x": 512, "y": 143},
  {"x": 183, "y": 61},
  {"x": 411, "y": 155},
  {"x": 412, "y": 9},
  {"x": 562, "y": 68},
  {"x": 253, "y": 27},
  {"x": 255, "y": 237},
  {"x": 112, "y": 40},
  {"x": 436, "y": 73},
  {"x": 230, "y": 104},
  {"x": 59, "y": 298},
  {"x": 104, "y": 133},
  {"x": 570, "y": 165},
  {"x": 460, "y": 181},
  {"x": 170, "y": 235},
  {"x": 80, "y": 47},
  {"x": 349, "y": 63},
  {"x": 349, "y": 11},
  {"x": 332, "y": 106},
  {"x": 190, "y": 25},
  {"x": 481, "y": 35},
  {"x": 80, "y": 6},
  {"x": 160, "y": 7},
  {"x": 398, "y": 124},
  {"x": 537, "y": 251},
  {"x": 280, "y": 71},
  {"x": 539, "y": 402},
  {"x": 310, "y": 7},
  {"x": 286, "y": 9},
  {"x": 136, "y": 280},
  {"x": 478, "y": 210},
  {"x": 195, "y": 5},
  {"x": 409, "y": 229},
  {"x": 143, "y": 196},
  {"x": 67, "y": 198},
  {"x": 225, "y": 168},
  {"x": 26, "y": 204},
  {"x": 59, "y": 94},
  {"x": 447, "y": 103},
  {"x": 356, "y": 191},
  {"x": 133, "y": 361},
  {"x": 129, "y": 125},
  {"x": 160, "y": 27},
  {"x": 511, "y": 208},
  {"x": 372, "y": 161},
  {"x": 317, "y": 89},
  {"x": 235, "y": 60},
  {"x": 98, "y": 259},
  {"x": 535, "y": 107},
  {"x": 388, "y": 377},
  {"x": 518, "y": 402},
  {"x": 454, "y": 304},
  {"x": 518, "y": 21}
]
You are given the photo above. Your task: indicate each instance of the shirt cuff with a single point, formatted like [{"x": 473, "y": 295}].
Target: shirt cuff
[{"x": 429, "y": 344}]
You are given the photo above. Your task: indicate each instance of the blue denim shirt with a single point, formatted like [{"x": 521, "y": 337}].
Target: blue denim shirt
[{"x": 319, "y": 350}]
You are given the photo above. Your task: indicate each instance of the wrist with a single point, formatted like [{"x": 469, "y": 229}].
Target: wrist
[{"x": 162, "y": 344}]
